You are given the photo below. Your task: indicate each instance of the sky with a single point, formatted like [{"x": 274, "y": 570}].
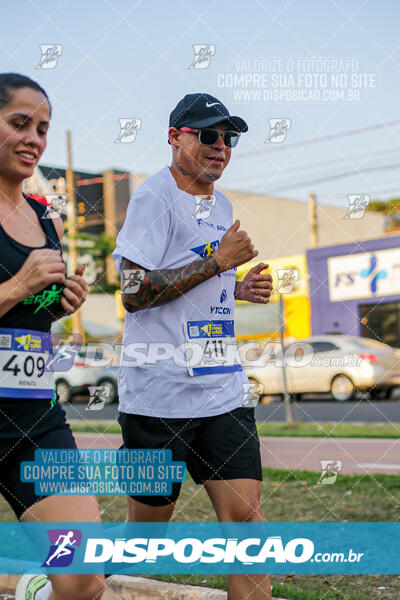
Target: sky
[{"x": 317, "y": 68}]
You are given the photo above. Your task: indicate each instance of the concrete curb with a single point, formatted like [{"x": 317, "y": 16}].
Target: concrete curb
[{"x": 139, "y": 588}]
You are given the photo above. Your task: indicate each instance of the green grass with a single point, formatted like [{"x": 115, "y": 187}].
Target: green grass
[
  {"x": 93, "y": 427},
  {"x": 309, "y": 587},
  {"x": 339, "y": 430},
  {"x": 289, "y": 496}
]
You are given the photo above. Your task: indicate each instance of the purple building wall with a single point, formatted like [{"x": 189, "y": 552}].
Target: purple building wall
[{"x": 339, "y": 317}]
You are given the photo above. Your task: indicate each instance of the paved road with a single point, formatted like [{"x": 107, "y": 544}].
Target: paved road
[
  {"x": 347, "y": 412},
  {"x": 357, "y": 455},
  {"x": 308, "y": 410}
]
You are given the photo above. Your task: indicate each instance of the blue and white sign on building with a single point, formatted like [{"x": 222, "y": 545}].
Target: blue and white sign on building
[
  {"x": 364, "y": 275},
  {"x": 355, "y": 289}
]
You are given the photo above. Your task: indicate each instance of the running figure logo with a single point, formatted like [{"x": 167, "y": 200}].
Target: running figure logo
[
  {"x": 329, "y": 471},
  {"x": 206, "y": 249},
  {"x": 132, "y": 278},
  {"x": 128, "y": 130},
  {"x": 98, "y": 396},
  {"x": 55, "y": 205},
  {"x": 252, "y": 393},
  {"x": 278, "y": 130},
  {"x": 45, "y": 298},
  {"x": 203, "y": 206},
  {"x": 65, "y": 347},
  {"x": 203, "y": 54},
  {"x": 62, "y": 547},
  {"x": 357, "y": 205},
  {"x": 50, "y": 55},
  {"x": 287, "y": 279}
]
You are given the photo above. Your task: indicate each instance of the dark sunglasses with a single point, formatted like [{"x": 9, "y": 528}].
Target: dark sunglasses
[{"x": 209, "y": 137}]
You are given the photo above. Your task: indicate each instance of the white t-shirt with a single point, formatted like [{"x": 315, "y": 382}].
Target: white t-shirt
[{"x": 167, "y": 228}]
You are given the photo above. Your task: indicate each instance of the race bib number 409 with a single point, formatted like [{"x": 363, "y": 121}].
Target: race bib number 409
[
  {"x": 23, "y": 357},
  {"x": 211, "y": 347}
]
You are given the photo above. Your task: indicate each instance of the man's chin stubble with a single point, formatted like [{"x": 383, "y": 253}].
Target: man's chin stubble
[{"x": 209, "y": 176}]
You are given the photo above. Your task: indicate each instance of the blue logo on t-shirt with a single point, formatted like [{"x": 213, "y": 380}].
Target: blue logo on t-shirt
[{"x": 206, "y": 249}]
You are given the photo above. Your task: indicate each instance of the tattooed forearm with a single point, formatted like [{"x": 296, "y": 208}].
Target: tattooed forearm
[
  {"x": 180, "y": 168},
  {"x": 154, "y": 288}
]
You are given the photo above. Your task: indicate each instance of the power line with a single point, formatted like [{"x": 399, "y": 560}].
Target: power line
[
  {"x": 317, "y": 140},
  {"x": 333, "y": 177},
  {"x": 380, "y": 191},
  {"x": 309, "y": 166}
]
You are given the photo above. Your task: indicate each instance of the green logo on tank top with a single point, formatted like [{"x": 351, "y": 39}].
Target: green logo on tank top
[
  {"x": 54, "y": 398},
  {"x": 45, "y": 298}
]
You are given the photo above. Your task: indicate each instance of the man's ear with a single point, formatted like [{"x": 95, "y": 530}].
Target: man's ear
[{"x": 173, "y": 136}]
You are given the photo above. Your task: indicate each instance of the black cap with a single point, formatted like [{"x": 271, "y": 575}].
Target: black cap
[{"x": 202, "y": 110}]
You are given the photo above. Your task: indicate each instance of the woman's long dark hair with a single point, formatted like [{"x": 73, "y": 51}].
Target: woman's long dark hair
[{"x": 9, "y": 82}]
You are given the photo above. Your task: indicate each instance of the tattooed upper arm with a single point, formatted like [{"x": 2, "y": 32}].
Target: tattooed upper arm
[
  {"x": 128, "y": 265},
  {"x": 141, "y": 288}
]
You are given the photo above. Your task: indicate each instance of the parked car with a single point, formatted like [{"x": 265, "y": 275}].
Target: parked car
[
  {"x": 108, "y": 378},
  {"x": 87, "y": 370},
  {"x": 338, "y": 364}
]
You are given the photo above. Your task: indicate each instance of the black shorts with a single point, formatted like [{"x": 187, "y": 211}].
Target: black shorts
[
  {"x": 221, "y": 447},
  {"x": 21, "y": 495}
]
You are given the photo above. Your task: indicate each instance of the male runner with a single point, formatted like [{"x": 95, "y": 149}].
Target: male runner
[{"x": 186, "y": 269}]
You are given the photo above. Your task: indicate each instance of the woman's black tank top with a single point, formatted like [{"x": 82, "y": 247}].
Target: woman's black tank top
[
  {"x": 38, "y": 311},
  {"x": 29, "y": 417}
]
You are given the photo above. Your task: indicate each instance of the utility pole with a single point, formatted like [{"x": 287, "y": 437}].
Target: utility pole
[
  {"x": 71, "y": 219},
  {"x": 286, "y": 397},
  {"x": 312, "y": 218},
  {"x": 110, "y": 220}
]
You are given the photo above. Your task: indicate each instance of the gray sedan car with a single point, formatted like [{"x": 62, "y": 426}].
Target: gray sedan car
[{"x": 338, "y": 364}]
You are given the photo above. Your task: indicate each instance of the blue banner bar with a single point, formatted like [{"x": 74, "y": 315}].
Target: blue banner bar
[{"x": 149, "y": 548}]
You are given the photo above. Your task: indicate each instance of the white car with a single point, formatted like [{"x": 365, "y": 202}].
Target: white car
[
  {"x": 338, "y": 364},
  {"x": 88, "y": 365}
]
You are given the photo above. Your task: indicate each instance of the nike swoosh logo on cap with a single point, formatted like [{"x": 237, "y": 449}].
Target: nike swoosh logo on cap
[{"x": 209, "y": 104}]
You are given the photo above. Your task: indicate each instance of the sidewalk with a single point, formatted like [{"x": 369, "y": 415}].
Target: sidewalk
[{"x": 358, "y": 455}]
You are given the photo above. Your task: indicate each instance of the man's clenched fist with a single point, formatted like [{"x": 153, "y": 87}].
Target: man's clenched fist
[{"x": 256, "y": 286}]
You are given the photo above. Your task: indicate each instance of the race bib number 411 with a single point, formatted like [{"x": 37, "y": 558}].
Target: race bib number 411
[
  {"x": 23, "y": 357},
  {"x": 211, "y": 347}
]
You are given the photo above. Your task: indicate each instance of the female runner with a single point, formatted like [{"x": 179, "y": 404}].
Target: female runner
[{"x": 34, "y": 292}]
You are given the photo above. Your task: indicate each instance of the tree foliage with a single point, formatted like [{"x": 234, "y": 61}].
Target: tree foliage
[
  {"x": 103, "y": 244},
  {"x": 388, "y": 207}
]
